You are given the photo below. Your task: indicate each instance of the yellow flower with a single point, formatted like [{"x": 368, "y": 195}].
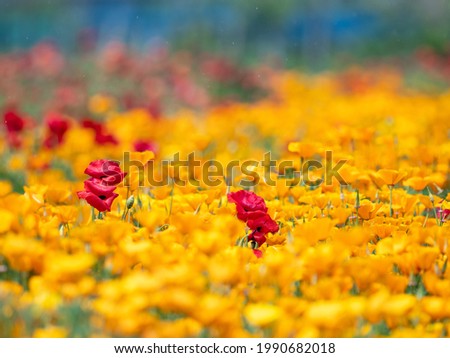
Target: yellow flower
[
  {"x": 67, "y": 214},
  {"x": 326, "y": 314},
  {"x": 50, "y": 332},
  {"x": 417, "y": 183},
  {"x": 435, "y": 307},
  {"x": 390, "y": 176},
  {"x": 7, "y": 219},
  {"x": 399, "y": 305},
  {"x": 67, "y": 268},
  {"x": 303, "y": 149},
  {"x": 435, "y": 285},
  {"x": 321, "y": 201},
  {"x": 314, "y": 231},
  {"x": 382, "y": 230},
  {"x": 261, "y": 314},
  {"x": 59, "y": 193},
  {"x": 5, "y": 188},
  {"x": 36, "y": 195},
  {"x": 368, "y": 210},
  {"x": 23, "y": 253},
  {"x": 341, "y": 214}
]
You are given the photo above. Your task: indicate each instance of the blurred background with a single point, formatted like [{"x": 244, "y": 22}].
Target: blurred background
[
  {"x": 58, "y": 55},
  {"x": 314, "y": 33}
]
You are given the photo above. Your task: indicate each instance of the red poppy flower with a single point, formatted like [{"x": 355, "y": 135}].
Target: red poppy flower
[
  {"x": 264, "y": 224},
  {"x": 252, "y": 209},
  {"x": 248, "y": 204},
  {"x": 90, "y": 124},
  {"x": 103, "y": 139},
  {"x": 100, "y": 136},
  {"x": 100, "y": 202},
  {"x": 261, "y": 226},
  {"x": 107, "y": 170},
  {"x": 98, "y": 187},
  {"x": 99, "y": 190},
  {"x": 143, "y": 146},
  {"x": 258, "y": 237},
  {"x": 14, "y": 125},
  {"x": 13, "y": 122},
  {"x": 57, "y": 129}
]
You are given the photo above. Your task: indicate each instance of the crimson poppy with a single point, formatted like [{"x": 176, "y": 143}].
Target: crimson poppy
[{"x": 248, "y": 204}]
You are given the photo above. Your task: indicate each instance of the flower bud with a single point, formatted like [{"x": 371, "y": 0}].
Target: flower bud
[{"x": 130, "y": 202}]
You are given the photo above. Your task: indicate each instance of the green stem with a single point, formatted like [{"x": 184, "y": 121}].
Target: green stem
[
  {"x": 438, "y": 222},
  {"x": 125, "y": 213}
]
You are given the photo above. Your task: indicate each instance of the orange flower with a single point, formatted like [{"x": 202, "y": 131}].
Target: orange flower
[
  {"x": 368, "y": 210},
  {"x": 390, "y": 176},
  {"x": 303, "y": 149},
  {"x": 417, "y": 183}
]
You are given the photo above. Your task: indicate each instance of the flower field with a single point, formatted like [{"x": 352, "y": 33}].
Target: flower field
[{"x": 103, "y": 234}]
